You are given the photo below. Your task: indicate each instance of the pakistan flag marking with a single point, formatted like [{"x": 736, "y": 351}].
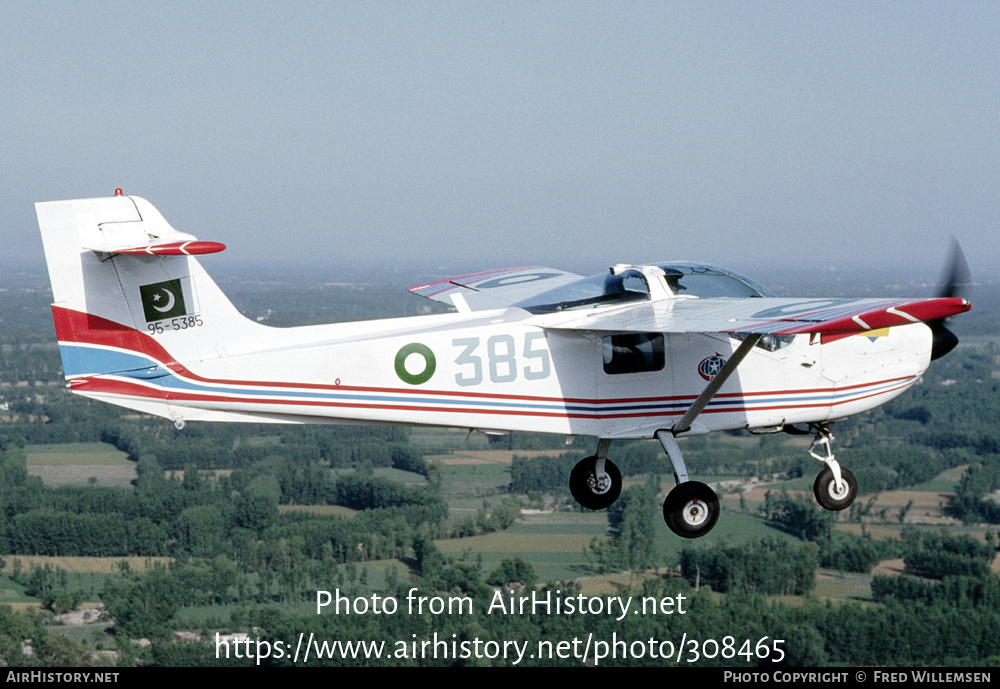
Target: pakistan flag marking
[{"x": 162, "y": 300}]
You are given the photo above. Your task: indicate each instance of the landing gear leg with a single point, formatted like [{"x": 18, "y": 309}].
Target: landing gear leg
[
  {"x": 595, "y": 482},
  {"x": 835, "y": 487},
  {"x": 691, "y": 508}
]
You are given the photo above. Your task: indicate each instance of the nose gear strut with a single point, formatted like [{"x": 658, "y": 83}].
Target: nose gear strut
[{"x": 835, "y": 487}]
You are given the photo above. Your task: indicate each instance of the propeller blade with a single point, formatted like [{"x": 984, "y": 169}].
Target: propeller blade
[
  {"x": 957, "y": 277},
  {"x": 955, "y": 283}
]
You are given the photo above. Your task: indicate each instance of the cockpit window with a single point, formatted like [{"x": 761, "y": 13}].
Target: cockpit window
[
  {"x": 591, "y": 292},
  {"x": 684, "y": 279},
  {"x": 710, "y": 282}
]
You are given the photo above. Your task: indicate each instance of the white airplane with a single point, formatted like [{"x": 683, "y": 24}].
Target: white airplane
[{"x": 661, "y": 351}]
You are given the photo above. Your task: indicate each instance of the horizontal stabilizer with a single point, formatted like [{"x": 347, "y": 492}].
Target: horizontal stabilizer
[{"x": 192, "y": 248}]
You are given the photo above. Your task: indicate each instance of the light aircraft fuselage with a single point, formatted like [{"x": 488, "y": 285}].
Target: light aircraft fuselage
[{"x": 662, "y": 351}]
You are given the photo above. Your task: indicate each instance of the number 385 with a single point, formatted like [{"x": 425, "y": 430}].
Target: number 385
[{"x": 501, "y": 362}]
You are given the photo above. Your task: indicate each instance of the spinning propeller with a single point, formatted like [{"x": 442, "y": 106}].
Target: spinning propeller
[{"x": 955, "y": 283}]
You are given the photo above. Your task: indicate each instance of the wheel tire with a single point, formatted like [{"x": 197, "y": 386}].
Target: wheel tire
[
  {"x": 827, "y": 494},
  {"x": 586, "y": 489},
  {"x": 691, "y": 509}
]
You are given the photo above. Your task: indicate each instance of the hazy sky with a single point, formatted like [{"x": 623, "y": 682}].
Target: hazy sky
[{"x": 574, "y": 134}]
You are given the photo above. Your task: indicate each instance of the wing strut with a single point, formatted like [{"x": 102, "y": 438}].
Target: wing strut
[
  {"x": 667, "y": 438},
  {"x": 713, "y": 386}
]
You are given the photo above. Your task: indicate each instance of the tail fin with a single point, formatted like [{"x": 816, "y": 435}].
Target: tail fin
[{"x": 129, "y": 298}]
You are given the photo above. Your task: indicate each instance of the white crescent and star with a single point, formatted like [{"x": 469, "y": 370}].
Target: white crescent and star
[{"x": 170, "y": 301}]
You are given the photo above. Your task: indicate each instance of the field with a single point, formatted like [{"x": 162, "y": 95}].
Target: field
[
  {"x": 476, "y": 478},
  {"x": 557, "y": 541},
  {"x": 80, "y": 464},
  {"x": 84, "y": 565}
]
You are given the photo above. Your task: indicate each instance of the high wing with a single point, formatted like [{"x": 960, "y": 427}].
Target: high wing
[
  {"x": 494, "y": 289},
  {"x": 831, "y": 319}
]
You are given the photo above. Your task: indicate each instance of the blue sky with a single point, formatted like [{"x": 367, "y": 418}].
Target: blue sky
[{"x": 478, "y": 134}]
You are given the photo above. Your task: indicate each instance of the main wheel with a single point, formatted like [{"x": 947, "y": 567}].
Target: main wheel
[
  {"x": 833, "y": 496},
  {"x": 691, "y": 509},
  {"x": 593, "y": 492}
]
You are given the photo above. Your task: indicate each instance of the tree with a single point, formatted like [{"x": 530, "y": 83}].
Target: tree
[
  {"x": 632, "y": 542},
  {"x": 429, "y": 559},
  {"x": 799, "y": 518},
  {"x": 202, "y": 530},
  {"x": 769, "y": 567},
  {"x": 142, "y": 605},
  {"x": 512, "y": 570},
  {"x": 256, "y": 512}
]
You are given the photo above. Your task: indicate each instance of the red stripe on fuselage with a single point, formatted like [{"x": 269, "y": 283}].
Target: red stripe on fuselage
[
  {"x": 76, "y": 327},
  {"x": 117, "y": 386}
]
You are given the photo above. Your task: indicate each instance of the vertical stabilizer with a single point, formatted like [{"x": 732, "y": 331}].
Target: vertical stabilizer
[{"x": 128, "y": 294}]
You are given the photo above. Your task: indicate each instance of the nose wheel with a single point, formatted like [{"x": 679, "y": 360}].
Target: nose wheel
[
  {"x": 835, "y": 487},
  {"x": 691, "y": 509},
  {"x": 834, "y": 495}
]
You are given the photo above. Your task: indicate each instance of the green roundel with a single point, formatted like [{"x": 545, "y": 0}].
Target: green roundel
[{"x": 429, "y": 364}]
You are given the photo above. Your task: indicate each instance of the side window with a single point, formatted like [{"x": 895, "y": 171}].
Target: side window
[
  {"x": 634, "y": 283},
  {"x": 633, "y": 353}
]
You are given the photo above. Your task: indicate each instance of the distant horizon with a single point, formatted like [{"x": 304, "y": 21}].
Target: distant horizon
[
  {"x": 321, "y": 271},
  {"x": 927, "y": 261}
]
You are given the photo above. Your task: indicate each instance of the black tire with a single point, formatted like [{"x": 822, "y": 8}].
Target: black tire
[
  {"x": 691, "y": 509},
  {"x": 584, "y": 486},
  {"x": 827, "y": 495}
]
